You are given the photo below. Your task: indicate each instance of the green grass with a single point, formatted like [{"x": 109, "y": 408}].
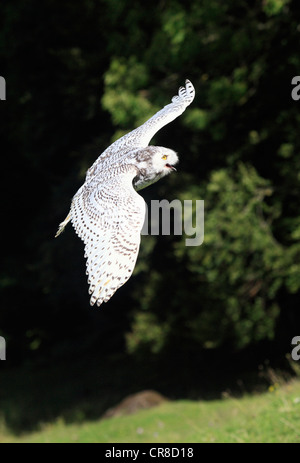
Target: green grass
[{"x": 270, "y": 417}]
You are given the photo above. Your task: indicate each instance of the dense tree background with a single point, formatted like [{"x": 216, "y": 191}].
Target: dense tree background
[{"x": 79, "y": 75}]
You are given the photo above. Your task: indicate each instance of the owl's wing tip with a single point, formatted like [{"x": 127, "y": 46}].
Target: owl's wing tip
[
  {"x": 62, "y": 225},
  {"x": 190, "y": 89}
]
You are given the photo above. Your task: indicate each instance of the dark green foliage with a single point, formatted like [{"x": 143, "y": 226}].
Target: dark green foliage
[{"x": 81, "y": 74}]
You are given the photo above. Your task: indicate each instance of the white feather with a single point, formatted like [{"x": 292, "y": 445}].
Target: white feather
[{"x": 107, "y": 213}]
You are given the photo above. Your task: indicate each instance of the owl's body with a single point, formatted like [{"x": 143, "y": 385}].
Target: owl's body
[{"x": 107, "y": 213}]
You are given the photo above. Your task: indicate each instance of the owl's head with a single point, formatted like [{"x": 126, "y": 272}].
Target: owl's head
[
  {"x": 154, "y": 162},
  {"x": 163, "y": 160}
]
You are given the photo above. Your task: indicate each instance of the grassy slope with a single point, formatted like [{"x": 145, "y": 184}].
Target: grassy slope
[{"x": 270, "y": 417}]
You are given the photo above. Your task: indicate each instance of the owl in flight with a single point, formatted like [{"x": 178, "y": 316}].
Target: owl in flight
[{"x": 107, "y": 213}]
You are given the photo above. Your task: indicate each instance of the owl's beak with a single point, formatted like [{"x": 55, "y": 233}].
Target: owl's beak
[{"x": 171, "y": 167}]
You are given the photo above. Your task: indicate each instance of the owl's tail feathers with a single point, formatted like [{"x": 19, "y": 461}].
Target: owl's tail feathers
[{"x": 62, "y": 225}]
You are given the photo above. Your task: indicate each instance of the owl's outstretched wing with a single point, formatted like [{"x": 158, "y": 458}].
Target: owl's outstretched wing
[
  {"x": 108, "y": 216},
  {"x": 141, "y": 136}
]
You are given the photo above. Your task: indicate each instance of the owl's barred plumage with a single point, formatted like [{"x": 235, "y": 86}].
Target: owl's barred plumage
[{"x": 107, "y": 213}]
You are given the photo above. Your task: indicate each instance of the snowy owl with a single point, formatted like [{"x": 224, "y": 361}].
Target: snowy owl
[{"x": 107, "y": 213}]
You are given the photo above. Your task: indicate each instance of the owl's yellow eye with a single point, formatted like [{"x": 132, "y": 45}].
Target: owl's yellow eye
[{"x": 164, "y": 157}]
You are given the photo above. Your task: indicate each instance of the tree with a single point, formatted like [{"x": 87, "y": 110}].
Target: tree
[{"x": 77, "y": 77}]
